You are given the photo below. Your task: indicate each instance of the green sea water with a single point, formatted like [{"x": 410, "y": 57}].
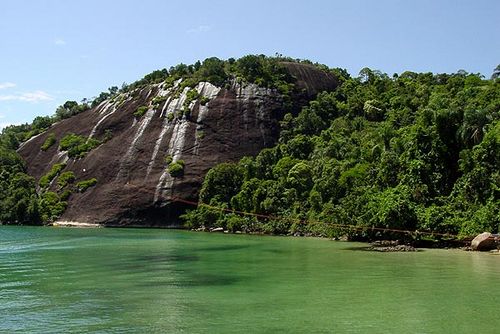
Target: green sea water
[{"x": 58, "y": 280}]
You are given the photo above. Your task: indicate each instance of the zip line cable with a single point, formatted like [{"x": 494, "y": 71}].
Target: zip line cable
[{"x": 347, "y": 226}]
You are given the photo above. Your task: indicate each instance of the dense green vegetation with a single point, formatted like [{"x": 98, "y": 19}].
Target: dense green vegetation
[
  {"x": 65, "y": 179},
  {"x": 20, "y": 201},
  {"x": 140, "y": 111},
  {"x": 77, "y": 146},
  {"x": 51, "y": 175},
  {"x": 49, "y": 141},
  {"x": 417, "y": 152},
  {"x": 258, "y": 69},
  {"x": 82, "y": 186},
  {"x": 13, "y": 135},
  {"x": 18, "y": 197}
]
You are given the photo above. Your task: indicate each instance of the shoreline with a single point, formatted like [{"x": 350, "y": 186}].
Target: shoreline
[
  {"x": 379, "y": 246},
  {"x": 382, "y": 245},
  {"x": 74, "y": 224}
]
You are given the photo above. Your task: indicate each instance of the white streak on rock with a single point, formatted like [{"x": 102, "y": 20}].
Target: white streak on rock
[
  {"x": 177, "y": 83},
  {"x": 100, "y": 105},
  {"x": 106, "y": 106},
  {"x": 167, "y": 102},
  {"x": 175, "y": 148},
  {"x": 171, "y": 106},
  {"x": 207, "y": 90},
  {"x": 94, "y": 129},
  {"x": 253, "y": 94},
  {"x": 177, "y": 142},
  {"x": 175, "y": 145},
  {"x": 59, "y": 157},
  {"x": 26, "y": 142},
  {"x": 159, "y": 186},
  {"x": 129, "y": 157},
  {"x": 166, "y": 126}
]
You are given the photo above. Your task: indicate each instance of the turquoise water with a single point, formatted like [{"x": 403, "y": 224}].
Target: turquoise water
[{"x": 55, "y": 280}]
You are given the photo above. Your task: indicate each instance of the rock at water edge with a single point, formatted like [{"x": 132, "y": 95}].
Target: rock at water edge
[{"x": 484, "y": 242}]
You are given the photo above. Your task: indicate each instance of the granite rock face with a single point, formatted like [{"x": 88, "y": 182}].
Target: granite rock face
[{"x": 134, "y": 186}]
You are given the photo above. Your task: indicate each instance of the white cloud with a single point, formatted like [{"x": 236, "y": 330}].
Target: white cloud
[
  {"x": 59, "y": 41},
  {"x": 4, "y": 85},
  {"x": 36, "y": 96},
  {"x": 199, "y": 30}
]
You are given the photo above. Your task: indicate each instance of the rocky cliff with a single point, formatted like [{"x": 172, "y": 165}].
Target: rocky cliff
[{"x": 201, "y": 128}]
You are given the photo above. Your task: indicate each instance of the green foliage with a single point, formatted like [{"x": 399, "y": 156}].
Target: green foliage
[
  {"x": 413, "y": 152},
  {"x": 204, "y": 100},
  {"x": 191, "y": 95},
  {"x": 18, "y": 199},
  {"x": 158, "y": 100},
  {"x": 77, "y": 146},
  {"x": 51, "y": 206},
  {"x": 110, "y": 94},
  {"x": 53, "y": 172},
  {"x": 108, "y": 135},
  {"x": 200, "y": 134},
  {"x": 19, "y": 202},
  {"x": 13, "y": 135},
  {"x": 140, "y": 111},
  {"x": 82, "y": 186},
  {"x": 65, "y": 195},
  {"x": 221, "y": 183},
  {"x": 213, "y": 70},
  {"x": 68, "y": 109},
  {"x": 65, "y": 178},
  {"x": 261, "y": 70},
  {"x": 49, "y": 141},
  {"x": 176, "y": 169}
]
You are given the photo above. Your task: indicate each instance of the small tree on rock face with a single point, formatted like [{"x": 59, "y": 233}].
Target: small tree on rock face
[
  {"x": 82, "y": 186},
  {"x": 65, "y": 178},
  {"x": 176, "y": 169},
  {"x": 49, "y": 141}
]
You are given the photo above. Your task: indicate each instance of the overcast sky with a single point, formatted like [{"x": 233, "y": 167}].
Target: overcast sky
[{"x": 57, "y": 50}]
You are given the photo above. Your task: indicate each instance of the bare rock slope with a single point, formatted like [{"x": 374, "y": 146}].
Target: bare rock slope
[{"x": 133, "y": 184}]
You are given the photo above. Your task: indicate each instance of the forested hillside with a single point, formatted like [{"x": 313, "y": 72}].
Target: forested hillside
[
  {"x": 118, "y": 158},
  {"x": 416, "y": 152}
]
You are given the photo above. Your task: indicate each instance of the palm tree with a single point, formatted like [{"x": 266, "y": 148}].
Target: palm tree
[{"x": 473, "y": 127}]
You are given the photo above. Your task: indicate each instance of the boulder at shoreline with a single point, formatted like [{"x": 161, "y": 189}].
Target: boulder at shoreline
[{"x": 484, "y": 242}]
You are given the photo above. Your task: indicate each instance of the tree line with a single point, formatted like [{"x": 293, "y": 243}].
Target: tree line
[{"x": 415, "y": 151}]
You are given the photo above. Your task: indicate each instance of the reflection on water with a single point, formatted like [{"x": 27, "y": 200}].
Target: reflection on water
[{"x": 133, "y": 280}]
